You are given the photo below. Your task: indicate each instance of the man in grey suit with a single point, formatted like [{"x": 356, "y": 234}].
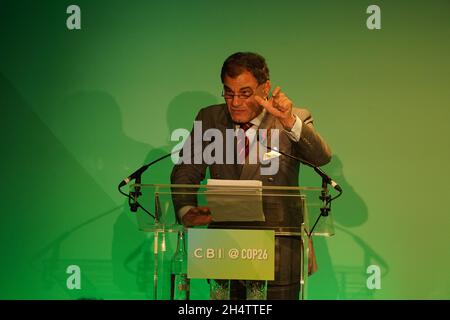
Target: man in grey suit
[{"x": 246, "y": 88}]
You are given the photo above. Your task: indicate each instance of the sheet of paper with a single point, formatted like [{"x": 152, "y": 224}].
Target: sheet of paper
[{"x": 232, "y": 200}]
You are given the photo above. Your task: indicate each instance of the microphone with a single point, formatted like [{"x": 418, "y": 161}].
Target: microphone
[
  {"x": 137, "y": 177},
  {"x": 137, "y": 174},
  {"x": 324, "y": 211},
  {"x": 324, "y": 176},
  {"x": 327, "y": 179},
  {"x": 133, "y": 176}
]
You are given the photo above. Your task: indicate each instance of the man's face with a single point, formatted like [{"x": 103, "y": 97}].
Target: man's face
[{"x": 243, "y": 110}]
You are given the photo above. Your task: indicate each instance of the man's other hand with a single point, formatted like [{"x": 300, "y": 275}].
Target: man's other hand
[{"x": 197, "y": 216}]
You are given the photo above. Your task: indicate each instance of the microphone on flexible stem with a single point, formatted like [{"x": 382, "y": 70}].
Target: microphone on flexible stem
[
  {"x": 137, "y": 177},
  {"x": 324, "y": 196},
  {"x": 137, "y": 174},
  {"x": 132, "y": 200},
  {"x": 134, "y": 175},
  {"x": 325, "y": 178},
  {"x": 135, "y": 194}
]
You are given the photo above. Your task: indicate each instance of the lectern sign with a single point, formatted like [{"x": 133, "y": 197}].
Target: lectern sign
[{"x": 231, "y": 254}]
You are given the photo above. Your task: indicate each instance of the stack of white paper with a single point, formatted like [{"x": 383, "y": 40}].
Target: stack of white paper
[{"x": 235, "y": 200}]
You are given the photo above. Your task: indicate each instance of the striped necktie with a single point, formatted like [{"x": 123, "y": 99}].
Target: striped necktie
[{"x": 243, "y": 147}]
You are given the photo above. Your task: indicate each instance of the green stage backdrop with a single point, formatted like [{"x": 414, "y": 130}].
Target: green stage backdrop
[{"x": 83, "y": 108}]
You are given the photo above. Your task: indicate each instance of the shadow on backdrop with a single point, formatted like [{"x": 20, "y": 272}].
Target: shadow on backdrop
[
  {"x": 90, "y": 125},
  {"x": 134, "y": 262},
  {"x": 342, "y": 281}
]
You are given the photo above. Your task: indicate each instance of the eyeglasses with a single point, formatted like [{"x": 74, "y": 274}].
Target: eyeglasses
[{"x": 242, "y": 96}]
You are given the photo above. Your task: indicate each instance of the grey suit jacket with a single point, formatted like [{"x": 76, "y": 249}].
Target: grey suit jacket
[{"x": 311, "y": 147}]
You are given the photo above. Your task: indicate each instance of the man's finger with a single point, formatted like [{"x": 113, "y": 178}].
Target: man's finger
[
  {"x": 283, "y": 102},
  {"x": 203, "y": 210},
  {"x": 276, "y": 91},
  {"x": 274, "y": 111},
  {"x": 268, "y": 105},
  {"x": 262, "y": 102},
  {"x": 200, "y": 211}
]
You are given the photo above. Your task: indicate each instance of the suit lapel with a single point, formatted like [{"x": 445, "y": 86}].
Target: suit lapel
[
  {"x": 252, "y": 171},
  {"x": 228, "y": 170}
]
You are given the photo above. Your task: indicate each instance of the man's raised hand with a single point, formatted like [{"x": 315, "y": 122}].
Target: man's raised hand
[{"x": 280, "y": 106}]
